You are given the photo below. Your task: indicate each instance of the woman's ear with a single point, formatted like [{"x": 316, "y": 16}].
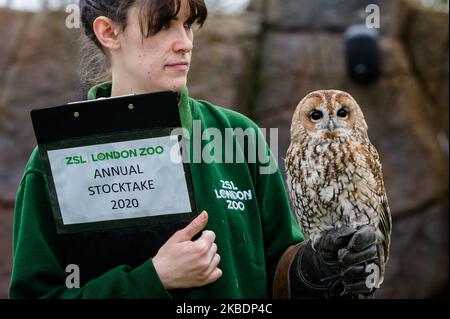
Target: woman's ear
[{"x": 107, "y": 32}]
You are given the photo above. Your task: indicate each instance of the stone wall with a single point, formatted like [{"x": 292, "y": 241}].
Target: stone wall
[
  {"x": 38, "y": 63},
  {"x": 261, "y": 64}
]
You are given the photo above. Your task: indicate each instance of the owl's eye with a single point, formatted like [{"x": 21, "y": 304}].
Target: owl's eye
[
  {"x": 342, "y": 113},
  {"x": 316, "y": 115}
]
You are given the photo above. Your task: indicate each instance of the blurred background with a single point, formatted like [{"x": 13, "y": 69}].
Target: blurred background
[{"x": 260, "y": 58}]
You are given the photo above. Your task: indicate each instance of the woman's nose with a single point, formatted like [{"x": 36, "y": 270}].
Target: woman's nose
[{"x": 184, "y": 41}]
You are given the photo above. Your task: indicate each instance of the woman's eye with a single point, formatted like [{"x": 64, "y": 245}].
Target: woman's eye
[
  {"x": 188, "y": 25},
  {"x": 342, "y": 113},
  {"x": 316, "y": 115},
  {"x": 166, "y": 26}
]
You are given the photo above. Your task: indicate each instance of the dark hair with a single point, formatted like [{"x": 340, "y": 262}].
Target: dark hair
[{"x": 153, "y": 16}]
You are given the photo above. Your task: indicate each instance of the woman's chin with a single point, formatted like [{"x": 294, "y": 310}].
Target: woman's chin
[{"x": 178, "y": 86}]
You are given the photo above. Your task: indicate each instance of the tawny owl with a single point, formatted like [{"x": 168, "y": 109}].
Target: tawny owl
[{"x": 334, "y": 175}]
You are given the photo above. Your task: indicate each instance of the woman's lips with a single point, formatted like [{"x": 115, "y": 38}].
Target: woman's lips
[{"x": 181, "y": 66}]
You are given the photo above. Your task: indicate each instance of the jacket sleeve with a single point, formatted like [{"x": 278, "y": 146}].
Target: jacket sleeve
[
  {"x": 37, "y": 270},
  {"x": 280, "y": 228}
]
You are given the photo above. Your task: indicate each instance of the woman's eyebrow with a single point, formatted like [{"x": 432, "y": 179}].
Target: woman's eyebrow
[{"x": 178, "y": 19}]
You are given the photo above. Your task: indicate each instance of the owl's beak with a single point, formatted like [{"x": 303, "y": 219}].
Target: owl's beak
[{"x": 330, "y": 125}]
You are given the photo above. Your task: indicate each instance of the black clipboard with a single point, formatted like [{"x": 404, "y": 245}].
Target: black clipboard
[{"x": 110, "y": 120}]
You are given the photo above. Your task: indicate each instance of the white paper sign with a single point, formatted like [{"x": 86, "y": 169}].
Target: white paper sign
[{"x": 116, "y": 181}]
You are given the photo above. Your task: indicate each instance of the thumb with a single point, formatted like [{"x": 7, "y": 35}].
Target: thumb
[{"x": 196, "y": 226}]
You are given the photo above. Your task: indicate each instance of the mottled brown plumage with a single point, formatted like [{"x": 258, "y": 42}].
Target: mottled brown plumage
[{"x": 334, "y": 175}]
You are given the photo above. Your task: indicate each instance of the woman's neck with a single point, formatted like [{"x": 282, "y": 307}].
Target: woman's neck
[{"x": 125, "y": 84}]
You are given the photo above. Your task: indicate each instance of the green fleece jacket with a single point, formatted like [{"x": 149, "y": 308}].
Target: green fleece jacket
[{"x": 252, "y": 232}]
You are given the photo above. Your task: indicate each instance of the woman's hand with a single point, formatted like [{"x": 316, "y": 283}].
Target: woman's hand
[{"x": 183, "y": 263}]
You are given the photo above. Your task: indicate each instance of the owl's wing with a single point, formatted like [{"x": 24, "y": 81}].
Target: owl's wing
[{"x": 385, "y": 225}]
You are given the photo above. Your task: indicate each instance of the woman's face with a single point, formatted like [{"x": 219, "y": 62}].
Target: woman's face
[{"x": 160, "y": 62}]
